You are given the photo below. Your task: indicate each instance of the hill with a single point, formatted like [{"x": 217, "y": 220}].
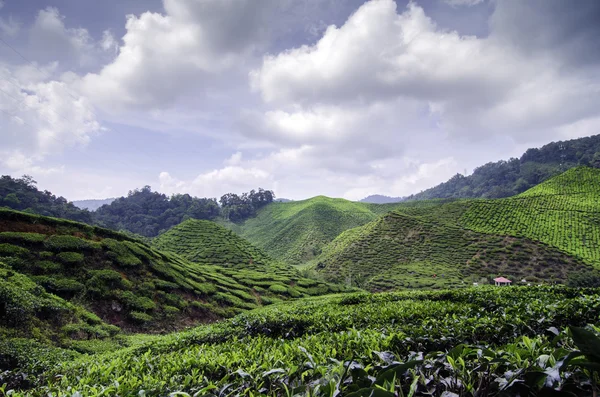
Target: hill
[
  {"x": 129, "y": 284},
  {"x": 92, "y": 205},
  {"x": 546, "y": 233},
  {"x": 563, "y": 212},
  {"x": 476, "y": 341},
  {"x": 380, "y": 199},
  {"x": 295, "y": 232},
  {"x": 508, "y": 178},
  {"x": 207, "y": 242}
]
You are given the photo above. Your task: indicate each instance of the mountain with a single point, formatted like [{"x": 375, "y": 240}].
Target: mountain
[
  {"x": 546, "y": 233},
  {"x": 295, "y": 232},
  {"x": 508, "y": 178},
  {"x": 380, "y": 199},
  {"x": 92, "y": 205}
]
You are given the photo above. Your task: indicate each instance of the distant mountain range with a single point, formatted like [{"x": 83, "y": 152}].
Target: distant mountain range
[
  {"x": 92, "y": 205},
  {"x": 381, "y": 199}
]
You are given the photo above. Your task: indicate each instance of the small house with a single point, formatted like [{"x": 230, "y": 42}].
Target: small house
[{"x": 501, "y": 281}]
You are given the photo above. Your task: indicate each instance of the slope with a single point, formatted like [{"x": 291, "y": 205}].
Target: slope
[
  {"x": 129, "y": 284},
  {"x": 563, "y": 212},
  {"x": 295, "y": 232},
  {"x": 205, "y": 242},
  {"x": 546, "y": 234},
  {"x": 508, "y": 178}
]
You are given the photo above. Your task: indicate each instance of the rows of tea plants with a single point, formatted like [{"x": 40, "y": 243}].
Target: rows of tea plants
[
  {"x": 569, "y": 228},
  {"x": 408, "y": 251},
  {"x": 129, "y": 283},
  {"x": 295, "y": 232},
  {"x": 563, "y": 212},
  {"x": 580, "y": 180},
  {"x": 470, "y": 342}
]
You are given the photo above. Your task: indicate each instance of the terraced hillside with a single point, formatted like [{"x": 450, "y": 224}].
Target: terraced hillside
[
  {"x": 544, "y": 234},
  {"x": 296, "y": 232},
  {"x": 202, "y": 241},
  {"x": 563, "y": 212},
  {"x": 129, "y": 284},
  {"x": 407, "y": 251}
]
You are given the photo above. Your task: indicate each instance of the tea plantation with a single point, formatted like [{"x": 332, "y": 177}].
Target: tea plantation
[
  {"x": 545, "y": 234},
  {"x": 468, "y": 342},
  {"x": 296, "y": 232}
]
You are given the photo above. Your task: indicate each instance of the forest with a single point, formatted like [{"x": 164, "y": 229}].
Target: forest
[
  {"x": 507, "y": 178},
  {"x": 142, "y": 212}
]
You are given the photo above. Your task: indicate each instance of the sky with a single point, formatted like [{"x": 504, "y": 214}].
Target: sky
[{"x": 343, "y": 98}]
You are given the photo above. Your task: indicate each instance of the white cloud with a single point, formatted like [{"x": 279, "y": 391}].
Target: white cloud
[
  {"x": 108, "y": 42},
  {"x": 164, "y": 56},
  {"x": 52, "y": 40},
  {"x": 42, "y": 118},
  {"x": 476, "y": 85}
]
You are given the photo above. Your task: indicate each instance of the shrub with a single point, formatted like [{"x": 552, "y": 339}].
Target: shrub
[
  {"x": 584, "y": 279},
  {"x": 130, "y": 300},
  {"x": 139, "y": 317},
  {"x": 170, "y": 310},
  {"x": 12, "y": 250},
  {"x": 47, "y": 266},
  {"x": 18, "y": 237},
  {"x": 70, "y": 257},
  {"x": 278, "y": 289},
  {"x": 59, "y": 285},
  {"x": 66, "y": 243}
]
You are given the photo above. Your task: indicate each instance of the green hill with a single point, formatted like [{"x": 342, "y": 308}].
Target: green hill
[
  {"x": 296, "y": 232},
  {"x": 563, "y": 212},
  {"x": 508, "y": 178},
  {"x": 128, "y": 283},
  {"x": 207, "y": 242},
  {"x": 545, "y": 233}
]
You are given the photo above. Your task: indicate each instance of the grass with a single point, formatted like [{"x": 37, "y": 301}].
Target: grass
[{"x": 478, "y": 341}]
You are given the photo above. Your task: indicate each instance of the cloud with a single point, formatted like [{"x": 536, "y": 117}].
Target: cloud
[
  {"x": 165, "y": 56},
  {"x": 231, "y": 178},
  {"x": 9, "y": 27},
  {"x": 108, "y": 42},
  {"x": 51, "y": 40},
  {"x": 473, "y": 85},
  {"x": 42, "y": 117}
]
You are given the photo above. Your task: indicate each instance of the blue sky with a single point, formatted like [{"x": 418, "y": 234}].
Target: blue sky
[{"x": 342, "y": 98}]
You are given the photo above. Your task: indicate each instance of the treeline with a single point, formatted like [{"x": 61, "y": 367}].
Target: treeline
[
  {"x": 142, "y": 211},
  {"x": 507, "y": 178},
  {"x": 22, "y": 194}
]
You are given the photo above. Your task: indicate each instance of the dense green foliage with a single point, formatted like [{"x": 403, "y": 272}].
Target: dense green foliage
[
  {"x": 132, "y": 285},
  {"x": 22, "y": 194},
  {"x": 297, "y": 231},
  {"x": 563, "y": 212},
  {"x": 148, "y": 213},
  {"x": 422, "y": 245},
  {"x": 507, "y": 178},
  {"x": 207, "y": 242},
  {"x": 481, "y": 341}
]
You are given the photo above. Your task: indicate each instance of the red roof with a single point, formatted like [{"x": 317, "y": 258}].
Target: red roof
[{"x": 502, "y": 280}]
